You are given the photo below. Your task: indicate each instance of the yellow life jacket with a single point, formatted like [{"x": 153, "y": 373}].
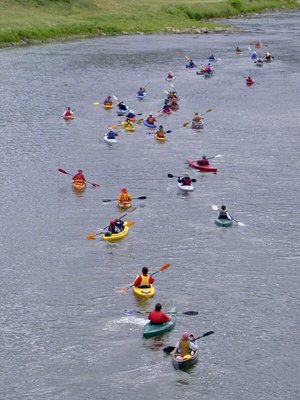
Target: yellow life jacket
[
  {"x": 184, "y": 346},
  {"x": 124, "y": 197},
  {"x": 145, "y": 280}
]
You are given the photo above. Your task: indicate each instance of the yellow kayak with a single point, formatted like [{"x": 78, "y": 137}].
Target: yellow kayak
[
  {"x": 145, "y": 293},
  {"x": 124, "y": 205},
  {"x": 114, "y": 237},
  {"x": 160, "y": 139},
  {"x": 127, "y": 127},
  {"x": 68, "y": 117},
  {"x": 79, "y": 185},
  {"x": 107, "y": 106}
]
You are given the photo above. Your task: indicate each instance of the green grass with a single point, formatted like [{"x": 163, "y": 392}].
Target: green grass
[{"x": 30, "y": 20}]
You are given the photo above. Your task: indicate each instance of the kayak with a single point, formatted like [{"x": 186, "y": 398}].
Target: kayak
[
  {"x": 128, "y": 128},
  {"x": 186, "y": 361},
  {"x": 145, "y": 293},
  {"x": 125, "y": 205},
  {"x": 149, "y": 125},
  {"x": 170, "y": 79},
  {"x": 160, "y": 139},
  {"x": 122, "y": 112},
  {"x": 223, "y": 222},
  {"x": 202, "y": 168},
  {"x": 114, "y": 237},
  {"x": 197, "y": 125},
  {"x": 107, "y": 106},
  {"x": 109, "y": 141},
  {"x": 208, "y": 74},
  {"x": 238, "y": 51},
  {"x": 185, "y": 188},
  {"x": 79, "y": 185},
  {"x": 68, "y": 117},
  {"x": 141, "y": 96},
  {"x": 249, "y": 82},
  {"x": 158, "y": 329},
  {"x": 200, "y": 72},
  {"x": 191, "y": 66}
]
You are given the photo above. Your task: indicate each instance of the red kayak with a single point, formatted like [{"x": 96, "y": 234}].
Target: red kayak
[{"x": 202, "y": 168}]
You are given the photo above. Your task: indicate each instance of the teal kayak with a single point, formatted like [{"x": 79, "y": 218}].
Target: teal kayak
[
  {"x": 223, "y": 222},
  {"x": 158, "y": 329}
]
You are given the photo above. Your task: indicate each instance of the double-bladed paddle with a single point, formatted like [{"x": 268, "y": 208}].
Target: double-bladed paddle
[
  {"x": 67, "y": 173},
  {"x": 167, "y": 312},
  {"x": 169, "y": 349},
  {"x": 150, "y": 133},
  {"x": 187, "y": 123},
  {"x": 125, "y": 290},
  {"x": 129, "y": 223},
  {"x": 179, "y": 177},
  {"x": 216, "y": 208},
  {"x": 134, "y": 198}
]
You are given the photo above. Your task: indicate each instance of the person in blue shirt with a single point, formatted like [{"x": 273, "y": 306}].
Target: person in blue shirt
[
  {"x": 141, "y": 92},
  {"x": 111, "y": 134}
]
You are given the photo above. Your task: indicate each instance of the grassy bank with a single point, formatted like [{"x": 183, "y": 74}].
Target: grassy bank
[{"x": 23, "y": 21}]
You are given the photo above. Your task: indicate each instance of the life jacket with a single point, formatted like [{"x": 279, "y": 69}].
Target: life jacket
[
  {"x": 186, "y": 181},
  {"x": 203, "y": 162},
  {"x": 145, "y": 280},
  {"x": 150, "y": 120},
  {"x": 124, "y": 197},
  {"x": 184, "y": 346},
  {"x": 79, "y": 177},
  {"x": 161, "y": 134},
  {"x": 68, "y": 113},
  {"x": 197, "y": 118}
]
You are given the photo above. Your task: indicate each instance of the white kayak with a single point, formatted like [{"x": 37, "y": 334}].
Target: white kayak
[
  {"x": 109, "y": 141},
  {"x": 185, "y": 188}
]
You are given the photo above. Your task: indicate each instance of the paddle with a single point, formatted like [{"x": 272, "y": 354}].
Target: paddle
[
  {"x": 67, "y": 173},
  {"x": 216, "y": 208},
  {"x": 168, "y": 312},
  {"x": 179, "y": 177},
  {"x": 125, "y": 290},
  {"x": 134, "y": 198},
  {"x": 169, "y": 349},
  {"x": 103, "y": 230},
  {"x": 187, "y": 123},
  {"x": 150, "y": 133}
]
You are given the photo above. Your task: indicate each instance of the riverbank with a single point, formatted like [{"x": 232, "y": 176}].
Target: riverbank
[{"x": 23, "y": 23}]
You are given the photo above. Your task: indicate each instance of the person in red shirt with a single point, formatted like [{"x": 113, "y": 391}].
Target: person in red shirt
[
  {"x": 144, "y": 280},
  {"x": 68, "y": 112},
  {"x": 157, "y": 316},
  {"x": 186, "y": 180},
  {"x": 204, "y": 161},
  {"x": 79, "y": 176}
]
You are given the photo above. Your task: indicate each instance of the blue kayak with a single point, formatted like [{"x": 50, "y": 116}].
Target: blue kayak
[
  {"x": 223, "y": 222},
  {"x": 149, "y": 125}
]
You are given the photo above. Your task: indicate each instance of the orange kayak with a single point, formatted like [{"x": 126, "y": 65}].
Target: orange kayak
[{"x": 79, "y": 185}]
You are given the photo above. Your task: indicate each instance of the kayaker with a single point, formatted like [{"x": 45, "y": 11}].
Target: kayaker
[
  {"x": 124, "y": 196},
  {"x": 166, "y": 108},
  {"x": 160, "y": 133},
  {"x": 170, "y": 75},
  {"x": 212, "y": 58},
  {"x": 202, "y": 68},
  {"x": 204, "y": 161},
  {"x": 191, "y": 64},
  {"x": 185, "y": 180},
  {"x": 238, "y": 50},
  {"x": 130, "y": 114},
  {"x": 151, "y": 120},
  {"x": 68, "y": 112},
  {"x": 141, "y": 92},
  {"x": 144, "y": 280},
  {"x": 157, "y": 316},
  {"x": 108, "y": 100},
  {"x": 111, "y": 134},
  {"x": 128, "y": 123},
  {"x": 268, "y": 56},
  {"x": 249, "y": 80},
  {"x": 185, "y": 345},
  {"x": 116, "y": 226},
  {"x": 197, "y": 118},
  {"x": 258, "y": 45},
  {"x": 121, "y": 105},
  {"x": 223, "y": 214},
  {"x": 79, "y": 177}
]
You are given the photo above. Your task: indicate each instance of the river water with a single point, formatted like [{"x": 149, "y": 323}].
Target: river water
[{"x": 64, "y": 332}]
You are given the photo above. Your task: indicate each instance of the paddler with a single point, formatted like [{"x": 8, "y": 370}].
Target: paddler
[
  {"x": 108, "y": 100},
  {"x": 204, "y": 161},
  {"x": 151, "y": 120},
  {"x": 68, "y": 112},
  {"x": 185, "y": 180},
  {"x": 161, "y": 133},
  {"x": 157, "y": 316},
  {"x": 185, "y": 346},
  {"x": 223, "y": 214},
  {"x": 141, "y": 92},
  {"x": 144, "y": 280},
  {"x": 111, "y": 134},
  {"x": 121, "y": 105},
  {"x": 197, "y": 118},
  {"x": 124, "y": 196},
  {"x": 116, "y": 226},
  {"x": 79, "y": 177}
]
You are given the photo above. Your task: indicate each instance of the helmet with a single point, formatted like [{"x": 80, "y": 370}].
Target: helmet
[
  {"x": 204, "y": 157},
  {"x": 80, "y": 171},
  {"x": 150, "y": 115},
  {"x": 123, "y": 190},
  {"x": 186, "y": 173},
  {"x": 185, "y": 335}
]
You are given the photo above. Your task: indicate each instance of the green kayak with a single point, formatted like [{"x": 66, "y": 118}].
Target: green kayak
[
  {"x": 158, "y": 329},
  {"x": 223, "y": 222}
]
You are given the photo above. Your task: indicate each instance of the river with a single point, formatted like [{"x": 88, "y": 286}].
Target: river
[{"x": 64, "y": 331}]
